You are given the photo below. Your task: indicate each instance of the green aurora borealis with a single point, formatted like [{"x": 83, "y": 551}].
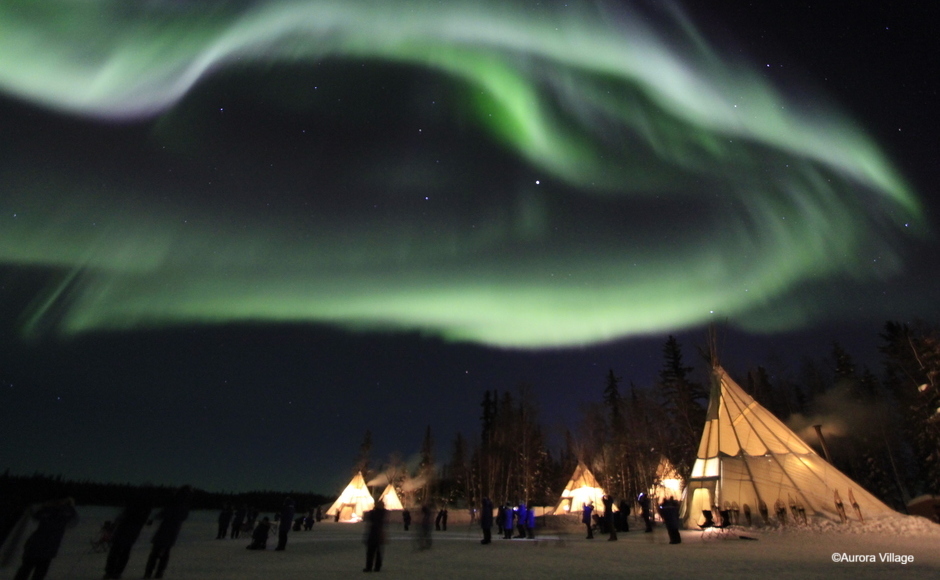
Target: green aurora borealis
[{"x": 514, "y": 177}]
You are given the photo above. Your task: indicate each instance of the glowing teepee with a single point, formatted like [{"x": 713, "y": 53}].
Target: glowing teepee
[
  {"x": 581, "y": 489},
  {"x": 752, "y": 464},
  {"x": 353, "y": 502},
  {"x": 668, "y": 482},
  {"x": 390, "y": 498}
]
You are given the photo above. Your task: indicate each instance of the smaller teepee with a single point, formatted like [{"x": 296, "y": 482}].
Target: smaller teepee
[
  {"x": 582, "y": 489},
  {"x": 390, "y": 498},
  {"x": 353, "y": 502},
  {"x": 668, "y": 482}
]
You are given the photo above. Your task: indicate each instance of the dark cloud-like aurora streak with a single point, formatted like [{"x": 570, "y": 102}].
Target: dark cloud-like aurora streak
[{"x": 623, "y": 177}]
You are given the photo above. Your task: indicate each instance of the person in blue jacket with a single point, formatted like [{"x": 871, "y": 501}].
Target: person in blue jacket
[
  {"x": 486, "y": 520},
  {"x": 588, "y": 509},
  {"x": 507, "y": 522},
  {"x": 520, "y": 520},
  {"x": 43, "y": 544},
  {"x": 530, "y": 521}
]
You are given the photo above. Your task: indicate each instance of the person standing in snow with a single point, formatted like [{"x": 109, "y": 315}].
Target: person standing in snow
[
  {"x": 486, "y": 520},
  {"x": 624, "y": 516},
  {"x": 645, "y": 513},
  {"x": 609, "y": 517},
  {"x": 225, "y": 518},
  {"x": 287, "y": 517},
  {"x": 43, "y": 544},
  {"x": 520, "y": 520},
  {"x": 530, "y": 521},
  {"x": 507, "y": 522},
  {"x": 587, "y": 510},
  {"x": 238, "y": 521},
  {"x": 424, "y": 530},
  {"x": 172, "y": 518},
  {"x": 126, "y": 531},
  {"x": 670, "y": 512},
  {"x": 376, "y": 537},
  {"x": 406, "y": 518},
  {"x": 259, "y": 536}
]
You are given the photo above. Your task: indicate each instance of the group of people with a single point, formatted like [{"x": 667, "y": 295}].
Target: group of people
[
  {"x": 520, "y": 518},
  {"x": 612, "y": 522},
  {"x": 54, "y": 517},
  {"x": 260, "y": 533}
]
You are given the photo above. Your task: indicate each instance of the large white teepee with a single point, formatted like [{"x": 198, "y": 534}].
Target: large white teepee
[
  {"x": 581, "y": 489},
  {"x": 390, "y": 498},
  {"x": 751, "y": 463},
  {"x": 353, "y": 502}
]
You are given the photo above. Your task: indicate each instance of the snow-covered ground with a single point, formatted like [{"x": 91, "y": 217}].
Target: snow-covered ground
[{"x": 334, "y": 550}]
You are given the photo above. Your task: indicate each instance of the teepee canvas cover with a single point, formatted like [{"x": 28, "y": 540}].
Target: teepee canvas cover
[
  {"x": 668, "y": 482},
  {"x": 582, "y": 489},
  {"x": 390, "y": 498},
  {"x": 750, "y": 461},
  {"x": 353, "y": 502}
]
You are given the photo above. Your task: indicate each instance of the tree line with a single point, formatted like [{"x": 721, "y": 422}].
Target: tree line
[
  {"x": 20, "y": 490},
  {"x": 625, "y": 433}
]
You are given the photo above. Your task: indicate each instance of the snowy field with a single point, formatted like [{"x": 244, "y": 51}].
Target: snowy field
[{"x": 560, "y": 551}]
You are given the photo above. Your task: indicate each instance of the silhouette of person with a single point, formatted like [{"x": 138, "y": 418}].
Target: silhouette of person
[
  {"x": 172, "y": 517},
  {"x": 670, "y": 513},
  {"x": 238, "y": 521},
  {"x": 126, "y": 531},
  {"x": 609, "y": 517},
  {"x": 225, "y": 518},
  {"x": 308, "y": 521},
  {"x": 12, "y": 512},
  {"x": 259, "y": 536},
  {"x": 486, "y": 520},
  {"x": 424, "y": 532},
  {"x": 406, "y": 518},
  {"x": 287, "y": 516},
  {"x": 624, "y": 516},
  {"x": 43, "y": 544},
  {"x": 645, "y": 512},
  {"x": 376, "y": 537}
]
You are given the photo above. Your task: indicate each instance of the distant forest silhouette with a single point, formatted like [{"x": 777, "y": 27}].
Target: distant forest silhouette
[{"x": 30, "y": 489}]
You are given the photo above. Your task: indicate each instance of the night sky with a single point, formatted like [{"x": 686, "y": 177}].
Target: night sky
[{"x": 236, "y": 235}]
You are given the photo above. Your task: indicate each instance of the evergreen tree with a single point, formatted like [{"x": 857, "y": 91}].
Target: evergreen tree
[
  {"x": 912, "y": 374},
  {"x": 684, "y": 403},
  {"x": 365, "y": 449},
  {"x": 426, "y": 470}
]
